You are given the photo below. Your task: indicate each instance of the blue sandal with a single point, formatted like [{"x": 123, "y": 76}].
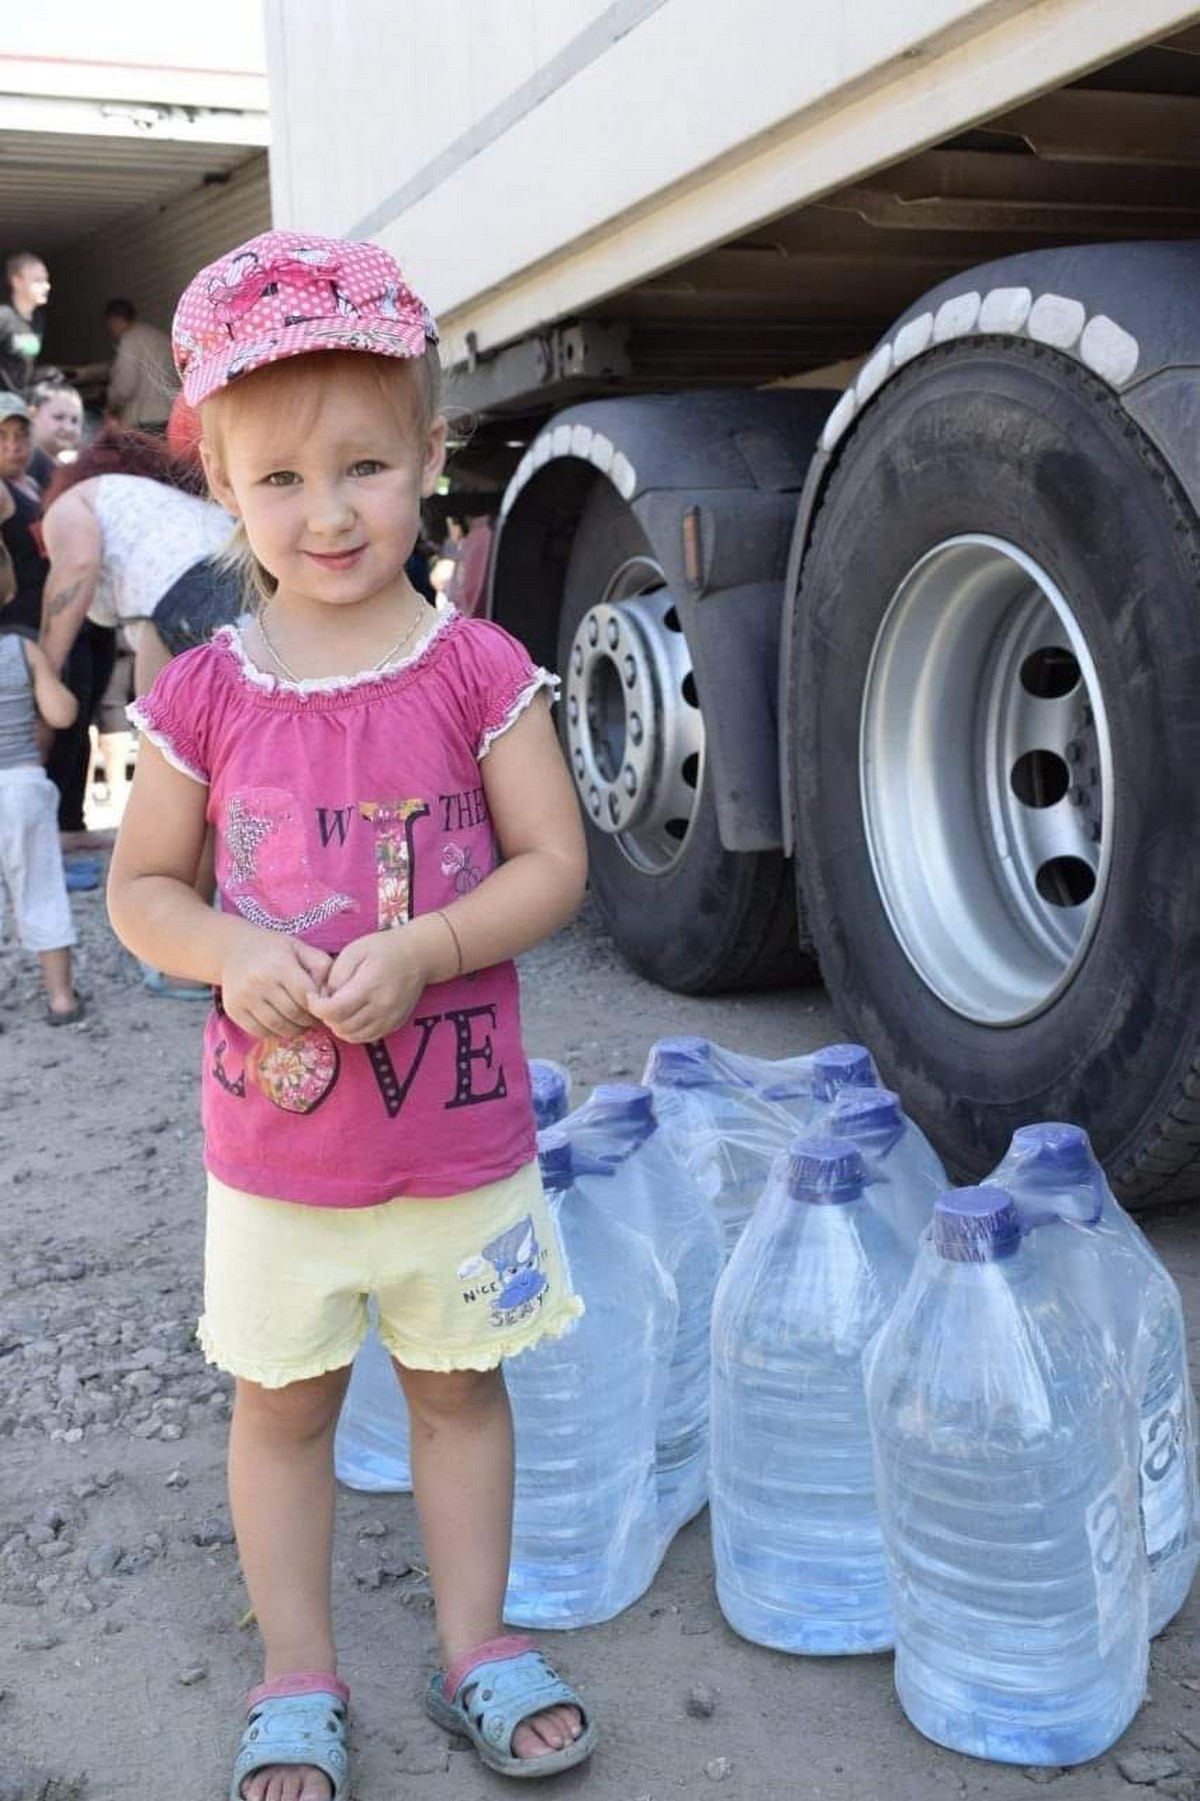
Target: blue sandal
[
  {"x": 296, "y": 1720},
  {"x": 486, "y": 1694}
]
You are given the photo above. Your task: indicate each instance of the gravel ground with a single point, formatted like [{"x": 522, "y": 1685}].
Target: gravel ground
[{"x": 123, "y": 1633}]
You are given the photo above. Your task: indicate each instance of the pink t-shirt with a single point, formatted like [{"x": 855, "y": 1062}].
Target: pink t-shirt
[{"x": 340, "y": 809}]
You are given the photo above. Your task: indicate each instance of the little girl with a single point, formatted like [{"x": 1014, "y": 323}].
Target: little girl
[{"x": 367, "y": 1115}]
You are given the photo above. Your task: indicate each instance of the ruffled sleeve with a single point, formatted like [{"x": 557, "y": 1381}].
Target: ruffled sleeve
[
  {"x": 176, "y": 716},
  {"x": 503, "y": 680}
]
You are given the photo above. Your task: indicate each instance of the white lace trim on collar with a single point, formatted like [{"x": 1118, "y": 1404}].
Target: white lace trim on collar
[{"x": 328, "y": 684}]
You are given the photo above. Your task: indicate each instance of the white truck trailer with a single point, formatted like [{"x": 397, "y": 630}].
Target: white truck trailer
[{"x": 836, "y": 371}]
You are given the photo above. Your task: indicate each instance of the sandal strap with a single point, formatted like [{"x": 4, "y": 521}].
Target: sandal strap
[
  {"x": 506, "y": 1690},
  {"x": 492, "y": 1650},
  {"x": 303, "y": 1682},
  {"x": 306, "y": 1728}
]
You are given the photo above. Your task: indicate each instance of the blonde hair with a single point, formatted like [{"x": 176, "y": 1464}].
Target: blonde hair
[{"x": 410, "y": 386}]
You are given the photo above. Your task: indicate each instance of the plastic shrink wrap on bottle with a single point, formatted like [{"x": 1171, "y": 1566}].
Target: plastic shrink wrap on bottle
[
  {"x": 1084, "y": 1237},
  {"x": 586, "y": 1406},
  {"x": 1006, "y": 1453},
  {"x": 904, "y": 1174},
  {"x": 729, "y": 1116},
  {"x": 650, "y": 1190},
  {"x": 796, "y": 1537}
]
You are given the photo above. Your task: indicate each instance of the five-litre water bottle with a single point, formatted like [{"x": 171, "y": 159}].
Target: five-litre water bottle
[
  {"x": 648, "y": 1189},
  {"x": 585, "y": 1540},
  {"x": 1082, "y": 1233},
  {"x": 796, "y": 1537},
  {"x": 904, "y": 1174},
  {"x": 550, "y": 1088},
  {"x": 717, "y": 1125},
  {"x": 1006, "y": 1469},
  {"x": 801, "y": 1092}
]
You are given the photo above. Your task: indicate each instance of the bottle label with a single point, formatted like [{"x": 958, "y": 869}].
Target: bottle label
[
  {"x": 1108, "y": 1528},
  {"x": 1164, "y": 1476}
]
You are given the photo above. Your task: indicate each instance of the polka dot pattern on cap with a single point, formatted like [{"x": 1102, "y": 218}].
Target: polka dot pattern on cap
[{"x": 287, "y": 293}]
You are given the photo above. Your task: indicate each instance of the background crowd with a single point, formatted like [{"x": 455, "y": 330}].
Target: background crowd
[{"x": 111, "y": 562}]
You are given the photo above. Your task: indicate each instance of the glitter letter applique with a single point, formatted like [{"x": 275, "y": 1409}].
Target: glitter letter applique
[{"x": 392, "y": 823}]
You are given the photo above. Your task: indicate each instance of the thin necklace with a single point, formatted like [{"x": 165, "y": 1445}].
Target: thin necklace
[{"x": 388, "y": 657}]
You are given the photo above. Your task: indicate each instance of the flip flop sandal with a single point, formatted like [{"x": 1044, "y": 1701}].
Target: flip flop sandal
[
  {"x": 486, "y": 1694},
  {"x": 296, "y": 1720},
  {"x": 162, "y": 985},
  {"x": 67, "y": 1019},
  {"x": 82, "y": 876}
]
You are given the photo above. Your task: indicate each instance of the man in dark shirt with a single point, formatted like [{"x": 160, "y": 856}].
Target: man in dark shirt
[{"x": 22, "y": 322}]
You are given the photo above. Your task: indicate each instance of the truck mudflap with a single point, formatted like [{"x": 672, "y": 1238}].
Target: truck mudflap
[{"x": 712, "y": 480}]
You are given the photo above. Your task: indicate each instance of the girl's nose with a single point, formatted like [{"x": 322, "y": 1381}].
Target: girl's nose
[{"x": 329, "y": 510}]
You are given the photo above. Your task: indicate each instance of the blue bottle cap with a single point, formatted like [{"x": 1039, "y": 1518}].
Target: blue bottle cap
[
  {"x": 1062, "y": 1152},
  {"x": 824, "y": 1171},
  {"x": 554, "y": 1158},
  {"x": 549, "y": 1084},
  {"x": 681, "y": 1063},
  {"x": 840, "y": 1066},
  {"x": 626, "y": 1103},
  {"x": 867, "y": 1110},
  {"x": 976, "y": 1225}
]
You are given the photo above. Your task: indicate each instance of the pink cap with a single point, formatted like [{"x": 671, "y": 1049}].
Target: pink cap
[{"x": 286, "y": 293}]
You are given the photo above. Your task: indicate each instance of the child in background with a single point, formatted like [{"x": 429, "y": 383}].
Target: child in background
[
  {"x": 368, "y": 1123},
  {"x": 30, "y": 857}
]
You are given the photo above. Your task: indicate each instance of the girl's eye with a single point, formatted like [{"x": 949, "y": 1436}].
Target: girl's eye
[
  {"x": 280, "y": 478},
  {"x": 366, "y": 466}
]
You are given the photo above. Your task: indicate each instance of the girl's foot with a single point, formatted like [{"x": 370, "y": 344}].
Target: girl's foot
[
  {"x": 287, "y": 1782},
  {"x": 291, "y": 1719},
  {"x": 515, "y": 1709}
]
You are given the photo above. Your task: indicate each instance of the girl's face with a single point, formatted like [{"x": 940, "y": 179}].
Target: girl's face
[
  {"x": 58, "y": 423},
  {"x": 329, "y": 492},
  {"x": 16, "y": 446}
]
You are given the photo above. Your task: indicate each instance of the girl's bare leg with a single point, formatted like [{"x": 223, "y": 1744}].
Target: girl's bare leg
[
  {"x": 462, "y": 1469},
  {"x": 56, "y": 975},
  {"x": 281, "y": 1492}
]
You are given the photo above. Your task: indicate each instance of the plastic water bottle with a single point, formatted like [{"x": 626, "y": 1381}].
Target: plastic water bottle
[
  {"x": 796, "y": 1538},
  {"x": 717, "y": 1126},
  {"x": 802, "y": 1091},
  {"x": 550, "y": 1086},
  {"x": 651, "y": 1191},
  {"x": 585, "y": 1540},
  {"x": 1081, "y": 1232},
  {"x": 1006, "y": 1456},
  {"x": 904, "y": 1174}
]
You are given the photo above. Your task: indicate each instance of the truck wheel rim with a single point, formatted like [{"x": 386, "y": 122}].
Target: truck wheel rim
[
  {"x": 985, "y": 770},
  {"x": 635, "y": 734}
]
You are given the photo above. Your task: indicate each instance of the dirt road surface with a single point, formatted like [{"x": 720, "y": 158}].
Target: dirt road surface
[{"x": 123, "y": 1649}]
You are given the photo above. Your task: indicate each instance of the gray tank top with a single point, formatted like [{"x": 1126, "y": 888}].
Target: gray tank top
[{"x": 17, "y": 712}]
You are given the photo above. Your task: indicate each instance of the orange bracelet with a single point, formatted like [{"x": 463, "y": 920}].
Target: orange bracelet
[{"x": 457, "y": 941}]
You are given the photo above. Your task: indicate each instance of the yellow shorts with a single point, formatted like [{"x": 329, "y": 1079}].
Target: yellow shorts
[{"x": 460, "y": 1282}]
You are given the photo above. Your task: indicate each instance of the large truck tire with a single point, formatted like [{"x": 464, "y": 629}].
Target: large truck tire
[
  {"x": 995, "y": 745},
  {"x": 685, "y": 911}
]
